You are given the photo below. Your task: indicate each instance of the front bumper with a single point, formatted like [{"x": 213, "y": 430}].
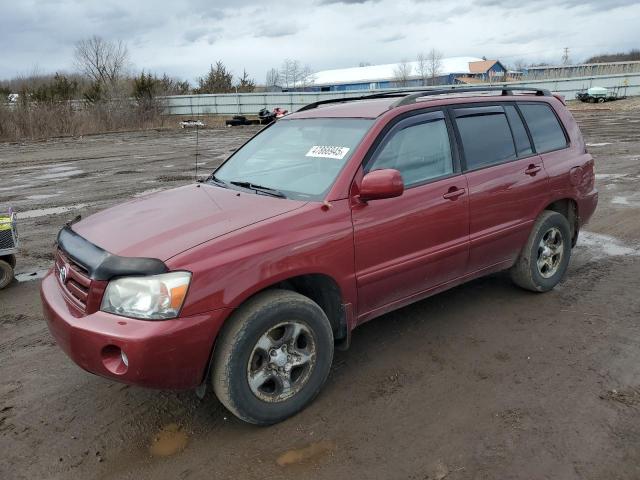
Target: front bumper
[{"x": 171, "y": 354}]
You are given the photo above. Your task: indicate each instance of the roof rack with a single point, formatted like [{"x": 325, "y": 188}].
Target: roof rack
[
  {"x": 410, "y": 96},
  {"x": 390, "y": 93}
]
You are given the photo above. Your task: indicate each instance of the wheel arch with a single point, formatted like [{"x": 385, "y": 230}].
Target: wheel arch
[
  {"x": 10, "y": 259},
  {"x": 323, "y": 290},
  {"x": 568, "y": 207},
  {"x": 320, "y": 288}
]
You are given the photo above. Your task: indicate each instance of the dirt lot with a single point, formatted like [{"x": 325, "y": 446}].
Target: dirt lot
[{"x": 483, "y": 381}]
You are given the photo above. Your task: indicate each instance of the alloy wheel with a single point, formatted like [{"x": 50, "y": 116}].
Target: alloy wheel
[
  {"x": 550, "y": 252},
  {"x": 281, "y": 361}
]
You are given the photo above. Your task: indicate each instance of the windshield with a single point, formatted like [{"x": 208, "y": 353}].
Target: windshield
[{"x": 299, "y": 158}]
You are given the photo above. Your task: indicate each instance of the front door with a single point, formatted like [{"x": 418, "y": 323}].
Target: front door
[{"x": 407, "y": 245}]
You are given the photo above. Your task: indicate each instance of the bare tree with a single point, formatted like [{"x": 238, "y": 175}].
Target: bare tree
[
  {"x": 273, "y": 79},
  {"x": 402, "y": 72},
  {"x": 434, "y": 64},
  {"x": 293, "y": 74},
  {"x": 422, "y": 68},
  {"x": 519, "y": 65},
  {"x": 306, "y": 77},
  {"x": 290, "y": 73},
  {"x": 103, "y": 61}
]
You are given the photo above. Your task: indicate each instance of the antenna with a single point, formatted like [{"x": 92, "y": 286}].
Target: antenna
[
  {"x": 197, "y": 135},
  {"x": 197, "y": 144}
]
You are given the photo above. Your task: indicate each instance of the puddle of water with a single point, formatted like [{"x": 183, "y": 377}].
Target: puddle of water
[
  {"x": 61, "y": 168},
  {"x": 310, "y": 452},
  {"x": 607, "y": 176},
  {"x": 169, "y": 441},
  {"x": 43, "y": 212},
  {"x": 600, "y": 245},
  {"x": 14, "y": 187},
  {"x": 29, "y": 276},
  {"x": 50, "y": 168},
  {"x": 42, "y": 196},
  {"x": 602, "y": 144},
  {"x": 620, "y": 201},
  {"x": 64, "y": 174}
]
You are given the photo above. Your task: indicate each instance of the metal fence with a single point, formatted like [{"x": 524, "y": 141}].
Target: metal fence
[{"x": 251, "y": 103}]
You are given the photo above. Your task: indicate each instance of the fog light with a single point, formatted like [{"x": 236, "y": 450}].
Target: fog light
[
  {"x": 124, "y": 357},
  {"x": 115, "y": 360}
]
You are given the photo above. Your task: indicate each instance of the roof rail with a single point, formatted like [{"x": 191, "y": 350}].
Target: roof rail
[
  {"x": 407, "y": 97},
  {"x": 412, "y": 97},
  {"x": 390, "y": 93}
]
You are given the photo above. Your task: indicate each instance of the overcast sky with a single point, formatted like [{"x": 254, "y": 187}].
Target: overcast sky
[{"x": 182, "y": 37}]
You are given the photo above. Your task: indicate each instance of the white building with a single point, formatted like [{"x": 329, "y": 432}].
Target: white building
[{"x": 452, "y": 70}]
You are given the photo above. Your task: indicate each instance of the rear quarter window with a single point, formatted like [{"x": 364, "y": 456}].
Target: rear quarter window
[{"x": 545, "y": 129}]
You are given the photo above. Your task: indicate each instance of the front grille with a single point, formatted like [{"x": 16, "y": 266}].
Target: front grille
[
  {"x": 6, "y": 239},
  {"x": 8, "y": 231},
  {"x": 74, "y": 279}
]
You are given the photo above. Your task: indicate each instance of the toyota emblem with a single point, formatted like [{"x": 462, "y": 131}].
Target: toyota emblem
[{"x": 62, "y": 274}]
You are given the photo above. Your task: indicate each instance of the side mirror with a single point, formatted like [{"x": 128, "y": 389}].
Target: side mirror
[{"x": 381, "y": 184}]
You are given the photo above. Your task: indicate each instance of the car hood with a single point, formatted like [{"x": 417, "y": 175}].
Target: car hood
[{"x": 163, "y": 224}]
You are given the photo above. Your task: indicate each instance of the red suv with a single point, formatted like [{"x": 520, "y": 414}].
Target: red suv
[{"x": 329, "y": 217}]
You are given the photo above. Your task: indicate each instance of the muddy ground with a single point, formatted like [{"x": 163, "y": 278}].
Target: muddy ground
[{"x": 483, "y": 381}]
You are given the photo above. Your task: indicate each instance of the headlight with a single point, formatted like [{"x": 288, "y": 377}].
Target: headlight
[{"x": 153, "y": 297}]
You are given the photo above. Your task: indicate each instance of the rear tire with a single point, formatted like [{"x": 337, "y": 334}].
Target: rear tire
[
  {"x": 272, "y": 357},
  {"x": 6, "y": 274},
  {"x": 544, "y": 259}
]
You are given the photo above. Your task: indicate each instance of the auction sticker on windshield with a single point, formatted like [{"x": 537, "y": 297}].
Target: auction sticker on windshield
[{"x": 327, "y": 151}]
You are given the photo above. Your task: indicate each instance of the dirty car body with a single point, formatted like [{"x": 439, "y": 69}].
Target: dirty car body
[{"x": 357, "y": 232}]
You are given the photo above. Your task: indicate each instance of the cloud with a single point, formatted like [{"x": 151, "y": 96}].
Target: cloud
[
  {"x": 346, "y": 2},
  {"x": 602, "y": 5},
  {"x": 393, "y": 38},
  {"x": 183, "y": 37},
  {"x": 275, "y": 30}
]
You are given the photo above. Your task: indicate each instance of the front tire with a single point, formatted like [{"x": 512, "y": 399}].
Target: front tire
[
  {"x": 544, "y": 259},
  {"x": 272, "y": 357},
  {"x": 6, "y": 273}
]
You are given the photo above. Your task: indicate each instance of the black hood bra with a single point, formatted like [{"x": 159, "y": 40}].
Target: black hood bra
[{"x": 101, "y": 264}]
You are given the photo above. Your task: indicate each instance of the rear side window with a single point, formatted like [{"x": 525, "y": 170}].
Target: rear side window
[
  {"x": 544, "y": 127},
  {"x": 520, "y": 137},
  {"x": 420, "y": 151},
  {"x": 486, "y": 136}
]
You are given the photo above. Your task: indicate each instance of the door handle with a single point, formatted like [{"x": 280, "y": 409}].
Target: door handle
[
  {"x": 533, "y": 169},
  {"x": 454, "y": 193}
]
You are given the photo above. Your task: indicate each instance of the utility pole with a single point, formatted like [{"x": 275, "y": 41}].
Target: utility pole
[{"x": 565, "y": 56}]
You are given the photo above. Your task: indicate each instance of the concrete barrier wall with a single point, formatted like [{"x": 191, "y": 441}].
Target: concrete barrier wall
[{"x": 251, "y": 103}]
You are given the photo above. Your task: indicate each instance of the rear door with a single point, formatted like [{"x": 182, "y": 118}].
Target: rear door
[
  {"x": 407, "y": 245},
  {"x": 507, "y": 182},
  {"x": 551, "y": 142}
]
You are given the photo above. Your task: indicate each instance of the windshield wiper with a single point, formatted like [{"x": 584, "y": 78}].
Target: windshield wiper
[
  {"x": 259, "y": 188},
  {"x": 217, "y": 181}
]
